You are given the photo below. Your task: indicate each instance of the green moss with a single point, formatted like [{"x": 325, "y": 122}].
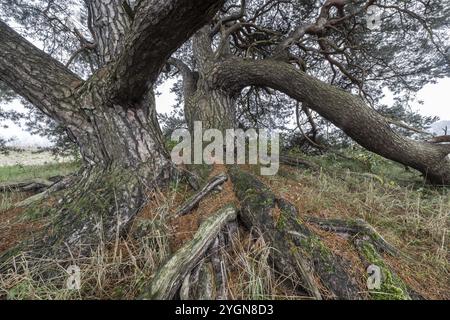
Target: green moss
[
  {"x": 392, "y": 287},
  {"x": 93, "y": 199},
  {"x": 281, "y": 223},
  {"x": 20, "y": 173}
]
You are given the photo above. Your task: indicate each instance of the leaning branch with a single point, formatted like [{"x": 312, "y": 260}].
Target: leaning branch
[
  {"x": 348, "y": 112},
  {"x": 440, "y": 139},
  {"x": 33, "y": 74}
]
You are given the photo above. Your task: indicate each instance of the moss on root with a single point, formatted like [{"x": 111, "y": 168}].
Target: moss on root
[
  {"x": 96, "y": 208},
  {"x": 392, "y": 287}
]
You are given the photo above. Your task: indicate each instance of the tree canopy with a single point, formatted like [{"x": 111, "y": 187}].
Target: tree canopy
[{"x": 330, "y": 40}]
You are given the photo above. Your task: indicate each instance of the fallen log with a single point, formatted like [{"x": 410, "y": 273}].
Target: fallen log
[
  {"x": 26, "y": 186},
  {"x": 58, "y": 186},
  {"x": 296, "y": 162},
  {"x": 207, "y": 189},
  {"x": 298, "y": 253},
  {"x": 440, "y": 139},
  {"x": 168, "y": 280}
]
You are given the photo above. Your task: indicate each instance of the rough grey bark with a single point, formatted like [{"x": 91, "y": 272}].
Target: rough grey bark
[
  {"x": 158, "y": 29},
  {"x": 168, "y": 280},
  {"x": 111, "y": 116},
  {"x": 213, "y": 106},
  {"x": 108, "y": 23},
  {"x": 348, "y": 112}
]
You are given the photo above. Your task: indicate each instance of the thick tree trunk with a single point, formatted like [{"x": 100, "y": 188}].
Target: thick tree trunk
[
  {"x": 124, "y": 159},
  {"x": 213, "y": 107},
  {"x": 111, "y": 116}
]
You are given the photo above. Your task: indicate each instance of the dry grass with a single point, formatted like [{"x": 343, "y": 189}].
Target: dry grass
[{"x": 413, "y": 218}]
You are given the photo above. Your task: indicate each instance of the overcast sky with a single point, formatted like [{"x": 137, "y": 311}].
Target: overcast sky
[{"x": 436, "y": 99}]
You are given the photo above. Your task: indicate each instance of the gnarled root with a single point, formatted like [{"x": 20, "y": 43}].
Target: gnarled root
[
  {"x": 369, "y": 244},
  {"x": 207, "y": 189},
  {"x": 354, "y": 228},
  {"x": 297, "y": 253},
  {"x": 96, "y": 209},
  {"x": 170, "y": 277},
  {"x": 391, "y": 286}
]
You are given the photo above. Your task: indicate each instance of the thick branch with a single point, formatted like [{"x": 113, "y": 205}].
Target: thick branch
[
  {"x": 108, "y": 22},
  {"x": 346, "y": 111},
  {"x": 35, "y": 75},
  {"x": 158, "y": 29},
  {"x": 189, "y": 77},
  {"x": 440, "y": 139}
]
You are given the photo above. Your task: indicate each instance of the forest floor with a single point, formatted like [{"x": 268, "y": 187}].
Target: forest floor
[{"x": 411, "y": 215}]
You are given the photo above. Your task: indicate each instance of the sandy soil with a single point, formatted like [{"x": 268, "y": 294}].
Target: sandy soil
[{"x": 28, "y": 158}]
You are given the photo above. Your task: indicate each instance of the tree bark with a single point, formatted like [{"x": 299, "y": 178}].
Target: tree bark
[
  {"x": 213, "y": 107},
  {"x": 348, "y": 112},
  {"x": 111, "y": 116},
  {"x": 169, "y": 278}
]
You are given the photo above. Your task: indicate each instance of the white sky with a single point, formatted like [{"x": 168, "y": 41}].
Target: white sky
[{"x": 436, "y": 99}]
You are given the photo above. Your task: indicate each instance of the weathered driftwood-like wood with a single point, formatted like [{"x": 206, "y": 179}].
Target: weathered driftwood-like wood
[
  {"x": 208, "y": 188},
  {"x": 208, "y": 280},
  {"x": 205, "y": 286},
  {"x": 218, "y": 264},
  {"x": 297, "y": 252},
  {"x": 170, "y": 276}
]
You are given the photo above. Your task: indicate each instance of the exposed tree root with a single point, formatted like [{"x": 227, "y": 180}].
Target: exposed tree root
[
  {"x": 99, "y": 206},
  {"x": 392, "y": 287},
  {"x": 354, "y": 228},
  {"x": 297, "y": 252},
  {"x": 61, "y": 185},
  {"x": 208, "y": 281},
  {"x": 369, "y": 244},
  {"x": 168, "y": 280},
  {"x": 34, "y": 185},
  {"x": 195, "y": 200}
]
